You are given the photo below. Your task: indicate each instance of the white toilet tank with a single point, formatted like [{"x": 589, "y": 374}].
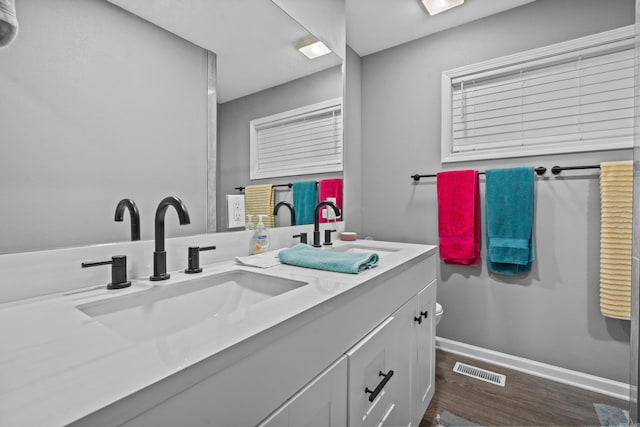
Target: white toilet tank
[{"x": 439, "y": 312}]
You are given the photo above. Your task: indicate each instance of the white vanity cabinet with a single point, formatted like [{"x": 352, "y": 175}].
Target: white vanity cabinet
[
  {"x": 390, "y": 376},
  {"x": 322, "y": 403},
  {"x": 405, "y": 345},
  {"x": 317, "y": 368}
]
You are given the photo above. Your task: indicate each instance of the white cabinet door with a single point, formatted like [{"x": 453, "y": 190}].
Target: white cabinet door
[
  {"x": 405, "y": 341},
  {"x": 423, "y": 361},
  {"x": 321, "y": 403},
  {"x": 379, "y": 394},
  {"x": 280, "y": 418}
]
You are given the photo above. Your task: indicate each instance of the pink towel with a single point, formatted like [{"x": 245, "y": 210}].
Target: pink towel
[
  {"x": 332, "y": 189},
  {"x": 459, "y": 217}
]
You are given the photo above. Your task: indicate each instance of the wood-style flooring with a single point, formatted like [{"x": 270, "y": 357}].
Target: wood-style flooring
[{"x": 524, "y": 401}]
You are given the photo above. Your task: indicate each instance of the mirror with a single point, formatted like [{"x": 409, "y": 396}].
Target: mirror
[{"x": 106, "y": 106}]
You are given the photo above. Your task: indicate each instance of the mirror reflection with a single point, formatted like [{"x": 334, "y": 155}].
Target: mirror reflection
[{"x": 106, "y": 106}]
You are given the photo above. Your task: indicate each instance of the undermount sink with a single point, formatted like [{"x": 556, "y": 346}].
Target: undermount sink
[
  {"x": 163, "y": 310},
  {"x": 361, "y": 248}
]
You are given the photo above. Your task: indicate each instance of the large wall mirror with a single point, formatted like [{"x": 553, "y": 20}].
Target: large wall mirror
[{"x": 112, "y": 99}]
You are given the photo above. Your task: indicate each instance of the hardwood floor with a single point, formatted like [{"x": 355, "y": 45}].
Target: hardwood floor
[{"x": 524, "y": 401}]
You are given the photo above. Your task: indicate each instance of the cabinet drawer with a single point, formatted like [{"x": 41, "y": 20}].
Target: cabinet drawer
[{"x": 374, "y": 389}]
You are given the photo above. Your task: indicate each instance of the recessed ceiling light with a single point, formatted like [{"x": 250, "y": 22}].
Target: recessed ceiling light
[
  {"x": 312, "y": 48},
  {"x": 436, "y": 6}
]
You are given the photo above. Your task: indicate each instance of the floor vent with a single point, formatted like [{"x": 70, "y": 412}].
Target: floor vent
[{"x": 481, "y": 374}]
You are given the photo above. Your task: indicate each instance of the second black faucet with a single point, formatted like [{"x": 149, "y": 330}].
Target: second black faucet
[
  {"x": 291, "y": 209},
  {"x": 159, "y": 255},
  {"x": 316, "y": 221}
]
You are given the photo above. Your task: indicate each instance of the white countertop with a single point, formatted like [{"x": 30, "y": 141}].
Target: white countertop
[{"x": 58, "y": 364}]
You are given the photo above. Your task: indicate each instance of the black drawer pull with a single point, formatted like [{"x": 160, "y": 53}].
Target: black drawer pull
[
  {"x": 424, "y": 314},
  {"x": 376, "y": 392},
  {"x": 417, "y": 319}
]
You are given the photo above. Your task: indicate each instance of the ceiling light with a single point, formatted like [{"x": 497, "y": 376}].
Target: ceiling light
[
  {"x": 312, "y": 48},
  {"x": 436, "y": 6}
]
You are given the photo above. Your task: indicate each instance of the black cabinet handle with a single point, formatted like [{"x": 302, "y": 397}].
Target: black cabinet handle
[
  {"x": 424, "y": 314},
  {"x": 417, "y": 319},
  {"x": 378, "y": 389}
]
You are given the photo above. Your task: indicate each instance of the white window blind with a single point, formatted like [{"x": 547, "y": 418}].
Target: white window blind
[
  {"x": 306, "y": 140},
  {"x": 570, "y": 97}
]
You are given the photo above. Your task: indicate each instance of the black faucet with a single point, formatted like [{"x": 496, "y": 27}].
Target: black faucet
[
  {"x": 159, "y": 255},
  {"x": 316, "y": 221},
  {"x": 293, "y": 211},
  {"x": 134, "y": 215}
]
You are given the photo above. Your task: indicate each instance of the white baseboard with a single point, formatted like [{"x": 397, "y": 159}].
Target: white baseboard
[{"x": 554, "y": 373}]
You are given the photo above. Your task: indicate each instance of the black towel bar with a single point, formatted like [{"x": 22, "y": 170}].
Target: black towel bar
[
  {"x": 540, "y": 170},
  {"x": 289, "y": 185},
  {"x": 557, "y": 169}
]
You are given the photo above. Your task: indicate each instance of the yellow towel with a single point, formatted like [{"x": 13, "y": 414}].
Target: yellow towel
[
  {"x": 616, "y": 197},
  {"x": 258, "y": 200}
]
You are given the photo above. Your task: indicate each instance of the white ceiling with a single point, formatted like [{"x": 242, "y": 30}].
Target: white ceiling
[
  {"x": 255, "y": 40},
  {"x": 375, "y": 25}
]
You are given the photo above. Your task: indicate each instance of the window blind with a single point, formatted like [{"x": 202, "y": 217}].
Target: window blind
[
  {"x": 297, "y": 142},
  {"x": 575, "y": 96}
]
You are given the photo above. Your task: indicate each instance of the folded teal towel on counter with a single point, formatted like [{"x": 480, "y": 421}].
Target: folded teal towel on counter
[
  {"x": 305, "y": 199},
  {"x": 509, "y": 220},
  {"x": 302, "y": 255}
]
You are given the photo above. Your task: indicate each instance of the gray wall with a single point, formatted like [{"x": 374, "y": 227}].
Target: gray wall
[
  {"x": 97, "y": 105},
  {"x": 233, "y": 132},
  {"x": 552, "y": 314}
]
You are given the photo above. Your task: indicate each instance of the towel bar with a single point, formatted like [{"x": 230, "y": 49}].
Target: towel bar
[
  {"x": 557, "y": 169},
  {"x": 540, "y": 170},
  {"x": 289, "y": 185}
]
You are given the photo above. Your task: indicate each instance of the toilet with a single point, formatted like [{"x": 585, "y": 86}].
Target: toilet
[{"x": 439, "y": 312}]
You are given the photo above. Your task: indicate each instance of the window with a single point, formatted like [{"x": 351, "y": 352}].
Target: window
[
  {"x": 569, "y": 97},
  {"x": 306, "y": 140}
]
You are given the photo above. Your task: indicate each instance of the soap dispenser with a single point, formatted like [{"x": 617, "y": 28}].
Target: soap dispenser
[
  {"x": 249, "y": 224},
  {"x": 260, "y": 240}
]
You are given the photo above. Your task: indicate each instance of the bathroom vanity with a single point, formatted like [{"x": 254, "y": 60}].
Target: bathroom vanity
[{"x": 231, "y": 346}]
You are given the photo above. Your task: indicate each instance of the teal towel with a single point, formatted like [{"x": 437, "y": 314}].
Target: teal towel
[
  {"x": 305, "y": 199},
  {"x": 307, "y": 256},
  {"x": 509, "y": 220}
]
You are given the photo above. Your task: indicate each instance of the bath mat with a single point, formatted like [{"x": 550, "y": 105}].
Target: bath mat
[
  {"x": 610, "y": 416},
  {"x": 451, "y": 420}
]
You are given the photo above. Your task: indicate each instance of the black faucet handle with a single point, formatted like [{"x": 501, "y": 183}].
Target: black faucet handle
[
  {"x": 194, "y": 258},
  {"x": 302, "y": 236},
  {"x": 327, "y": 237},
  {"x": 118, "y": 271}
]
